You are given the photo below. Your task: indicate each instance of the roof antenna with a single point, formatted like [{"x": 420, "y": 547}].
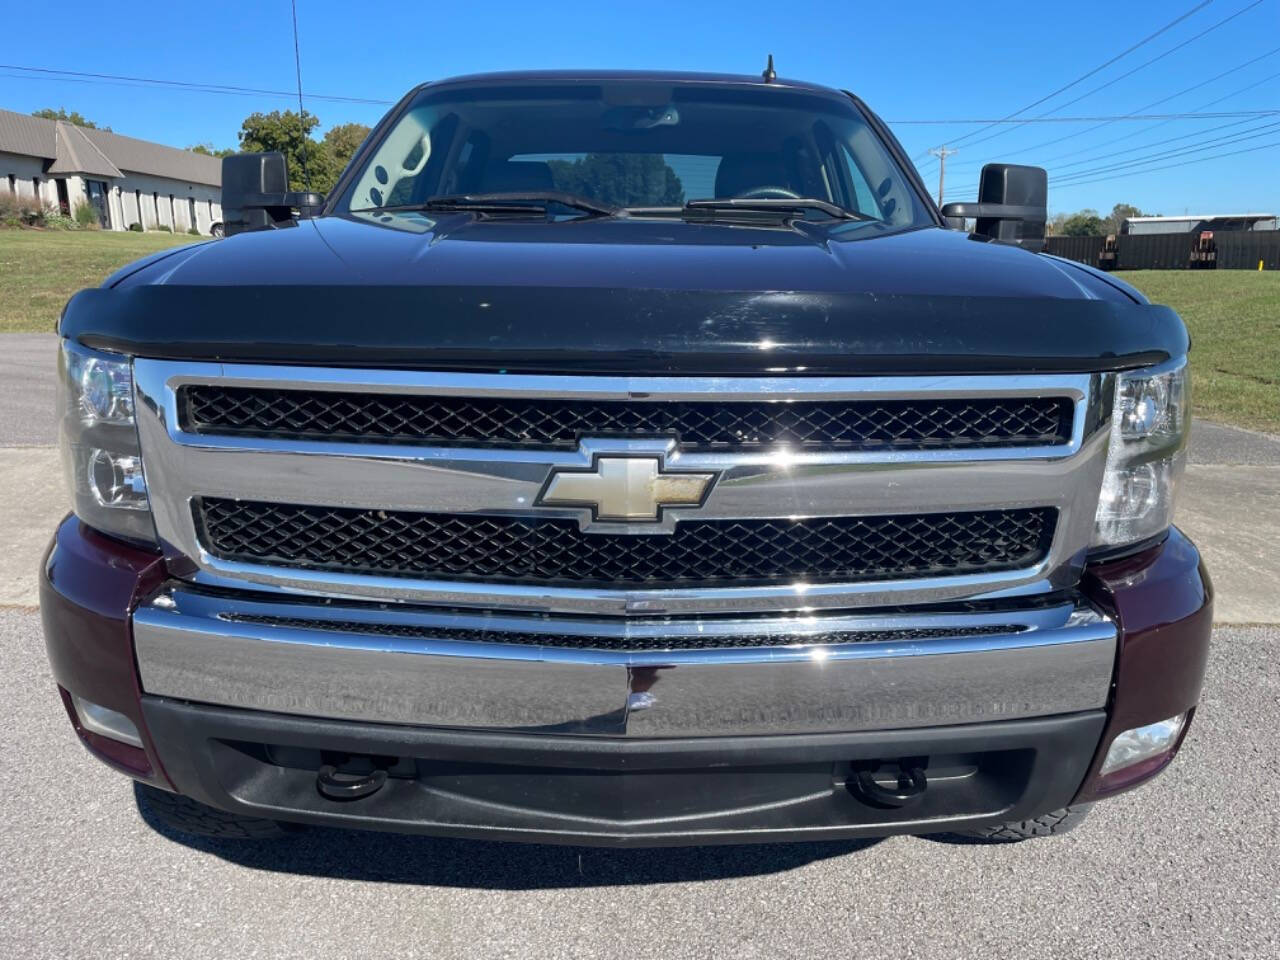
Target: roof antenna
[
  {"x": 769, "y": 74},
  {"x": 302, "y": 114}
]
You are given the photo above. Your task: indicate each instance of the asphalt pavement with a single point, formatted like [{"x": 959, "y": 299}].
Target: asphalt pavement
[
  {"x": 27, "y": 381},
  {"x": 1184, "y": 867}
]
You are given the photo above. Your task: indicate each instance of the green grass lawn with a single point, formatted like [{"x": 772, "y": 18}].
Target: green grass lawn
[
  {"x": 1234, "y": 315},
  {"x": 1234, "y": 319},
  {"x": 40, "y": 269}
]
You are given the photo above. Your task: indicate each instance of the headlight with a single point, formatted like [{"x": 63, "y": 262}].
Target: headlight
[
  {"x": 99, "y": 441},
  {"x": 1149, "y": 426}
]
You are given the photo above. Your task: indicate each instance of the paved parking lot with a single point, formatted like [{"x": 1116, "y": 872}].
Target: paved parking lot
[{"x": 1184, "y": 867}]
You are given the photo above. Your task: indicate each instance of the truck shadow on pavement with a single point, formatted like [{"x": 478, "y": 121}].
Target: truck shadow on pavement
[{"x": 480, "y": 864}]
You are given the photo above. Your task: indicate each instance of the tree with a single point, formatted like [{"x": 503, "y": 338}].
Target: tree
[
  {"x": 1086, "y": 223},
  {"x": 1119, "y": 214},
  {"x": 622, "y": 179},
  {"x": 74, "y": 117},
  {"x": 290, "y": 133},
  {"x": 208, "y": 150},
  {"x": 343, "y": 141}
]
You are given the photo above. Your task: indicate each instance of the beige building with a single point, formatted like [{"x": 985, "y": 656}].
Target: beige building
[{"x": 127, "y": 181}]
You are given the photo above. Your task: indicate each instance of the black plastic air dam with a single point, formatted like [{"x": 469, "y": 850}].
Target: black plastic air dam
[
  {"x": 614, "y": 792},
  {"x": 585, "y": 330}
]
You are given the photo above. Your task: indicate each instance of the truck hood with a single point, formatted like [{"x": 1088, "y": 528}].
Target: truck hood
[
  {"x": 609, "y": 295},
  {"x": 412, "y": 249}
]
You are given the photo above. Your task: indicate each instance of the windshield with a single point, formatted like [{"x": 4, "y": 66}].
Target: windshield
[{"x": 644, "y": 146}]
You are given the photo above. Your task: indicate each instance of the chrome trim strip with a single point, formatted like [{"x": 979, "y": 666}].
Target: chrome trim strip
[
  {"x": 1052, "y": 660},
  {"x": 180, "y": 466},
  {"x": 790, "y": 596},
  {"x": 660, "y": 389}
]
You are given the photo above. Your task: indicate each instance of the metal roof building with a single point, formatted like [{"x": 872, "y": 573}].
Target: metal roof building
[
  {"x": 1195, "y": 223},
  {"x": 127, "y": 181}
]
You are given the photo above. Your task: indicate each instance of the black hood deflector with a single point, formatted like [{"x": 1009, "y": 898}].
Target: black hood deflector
[{"x": 628, "y": 331}]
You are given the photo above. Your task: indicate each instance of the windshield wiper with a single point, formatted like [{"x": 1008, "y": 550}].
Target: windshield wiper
[
  {"x": 772, "y": 204},
  {"x": 520, "y": 201}
]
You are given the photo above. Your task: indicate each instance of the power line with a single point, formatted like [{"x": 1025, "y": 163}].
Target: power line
[
  {"x": 1174, "y": 96},
  {"x": 136, "y": 86},
  {"x": 1134, "y": 133},
  {"x": 184, "y": 84},
  {"x": 1139, "y": 114},
  {"x": 1172, "y": 166},
  {"x": 72, "y": 76},
  {"x": 1239, "y": 137},
  {"x": 1159, "y": 143},
  {"x": 1082, "y": 176},
  {"x": 1147, "y": 146},
  {"x": 1110, "y": 118},
  {"x": 1123, "y": 76},
  {"x": 1095, "y": 70}
]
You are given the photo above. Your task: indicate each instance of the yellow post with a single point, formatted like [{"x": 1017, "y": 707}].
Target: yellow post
[{"x": 1259, "y": 264}]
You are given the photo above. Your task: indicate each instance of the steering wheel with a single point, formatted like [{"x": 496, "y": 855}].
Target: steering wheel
[{"x": 768, "y": 193}]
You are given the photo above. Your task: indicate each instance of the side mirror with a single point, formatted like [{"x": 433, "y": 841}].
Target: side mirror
[
  {"x": 1012, "y": 207},
  {"x": 256, "y": 195}
]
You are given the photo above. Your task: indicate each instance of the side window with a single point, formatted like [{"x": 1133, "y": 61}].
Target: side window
[{"x": 862, "y": 192}]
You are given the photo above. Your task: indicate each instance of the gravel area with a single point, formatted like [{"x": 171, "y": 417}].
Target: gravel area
[{"x": 1186, "y": 866}]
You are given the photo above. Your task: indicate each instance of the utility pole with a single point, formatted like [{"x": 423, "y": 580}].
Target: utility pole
[{"x": 942, "y": 153}]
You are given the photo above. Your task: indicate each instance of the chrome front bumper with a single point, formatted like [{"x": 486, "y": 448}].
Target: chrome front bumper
[{"x": 406, "y": 666}]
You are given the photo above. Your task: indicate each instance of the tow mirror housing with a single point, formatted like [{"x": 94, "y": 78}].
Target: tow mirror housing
[
  {"x": 256, "y": 195},
  {"x": 1012, "y": 207}
]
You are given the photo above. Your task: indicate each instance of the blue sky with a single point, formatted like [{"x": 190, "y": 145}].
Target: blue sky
[{"x": 920, "y": 61}]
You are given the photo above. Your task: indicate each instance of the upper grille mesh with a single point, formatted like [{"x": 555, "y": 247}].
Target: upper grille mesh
[
  {"x": 555, "y": 551},
  {"x": 557, "y": 423}
]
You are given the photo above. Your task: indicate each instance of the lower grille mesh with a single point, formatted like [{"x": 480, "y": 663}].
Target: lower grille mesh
[{"x": 555, "y": 552}]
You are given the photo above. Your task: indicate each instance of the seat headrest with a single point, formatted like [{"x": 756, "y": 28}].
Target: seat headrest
[{"x": 740, "y": 172}]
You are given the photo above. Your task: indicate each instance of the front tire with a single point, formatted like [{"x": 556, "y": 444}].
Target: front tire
[
  {"x": 1047, "y": 825},
  {"x": 184, "y": 815}
]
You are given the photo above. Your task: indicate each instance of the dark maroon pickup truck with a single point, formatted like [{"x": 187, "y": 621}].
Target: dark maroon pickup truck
[{"x": 625, "y": 459}]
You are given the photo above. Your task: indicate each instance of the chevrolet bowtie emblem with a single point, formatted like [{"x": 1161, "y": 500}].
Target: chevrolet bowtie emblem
[{"x": 625, "y": 489}]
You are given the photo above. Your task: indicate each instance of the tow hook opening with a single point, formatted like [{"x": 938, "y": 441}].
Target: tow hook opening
[
  {"x": 897, "y": 783},
  {"x": 348, "y": 777}
]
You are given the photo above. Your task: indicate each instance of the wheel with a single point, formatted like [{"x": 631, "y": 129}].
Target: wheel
[
  {"x": 216, "y": 231},
  {"x": 1046, "y": 825},
  {"x": 192, "y": 817}
]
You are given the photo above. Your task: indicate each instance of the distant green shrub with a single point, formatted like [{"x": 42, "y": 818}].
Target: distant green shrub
[
  {"x": 60, "y": 221},
  {"x": 86, "y": 216},
  {"x": 194, "y": 232},
  {"x": 163, "y": 228},
  {"x": 135, "y": 227}
]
